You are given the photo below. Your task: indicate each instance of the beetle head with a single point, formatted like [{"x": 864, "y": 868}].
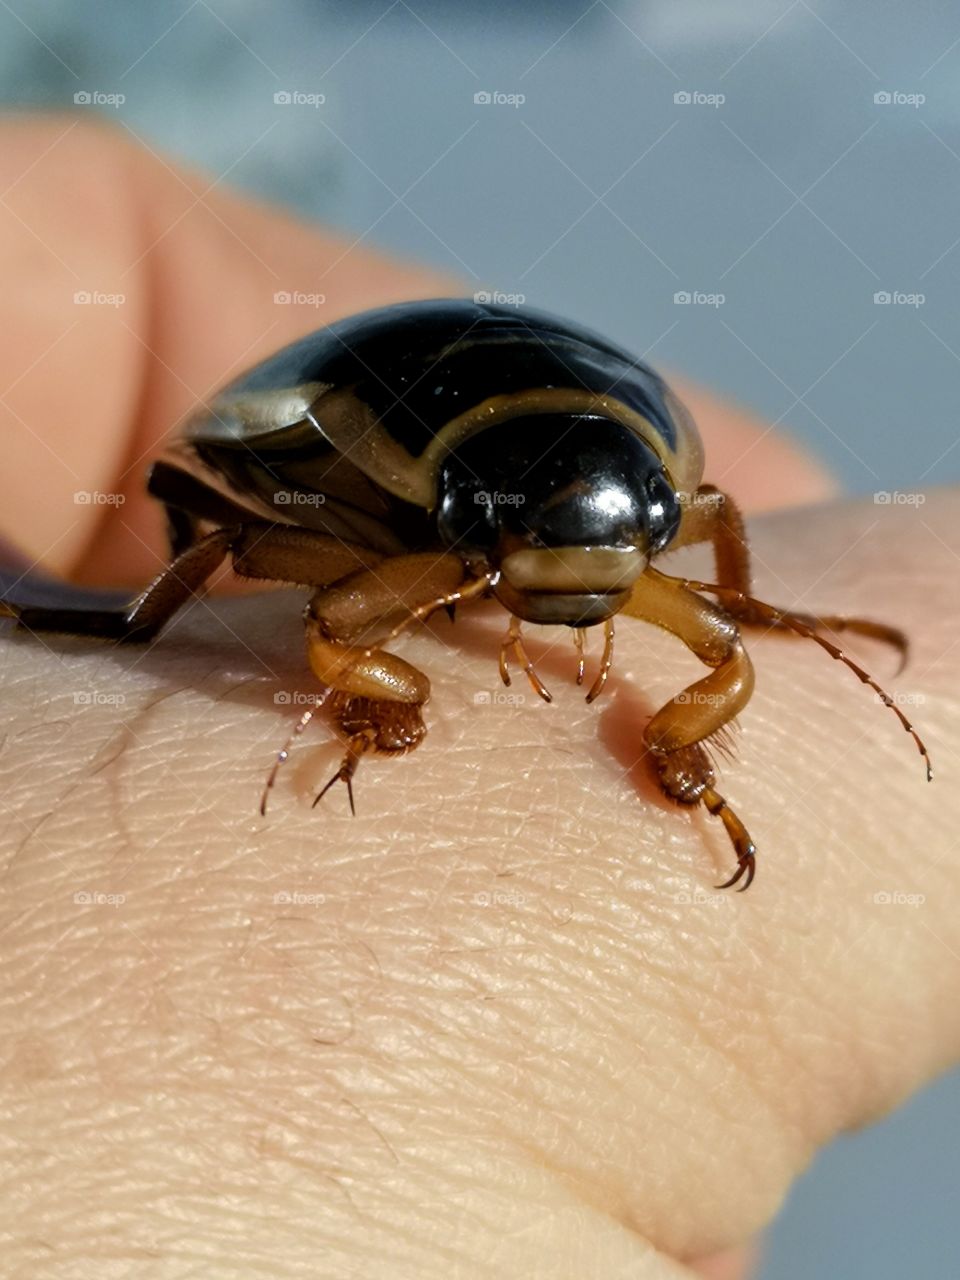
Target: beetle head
[{"x": 568, "y": 507}]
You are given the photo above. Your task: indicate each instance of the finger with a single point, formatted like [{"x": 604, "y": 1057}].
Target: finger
[
  {"x": 761, "y": 465},
  {"x": 500, "y": 1022},
  {"x": 91, "y": 387}
]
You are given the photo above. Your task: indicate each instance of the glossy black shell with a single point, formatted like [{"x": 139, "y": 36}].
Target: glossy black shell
[{"x": 358, "y": 414}]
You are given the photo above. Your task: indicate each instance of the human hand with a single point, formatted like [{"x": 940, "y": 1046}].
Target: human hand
[{"x": 499, "y": 1024}]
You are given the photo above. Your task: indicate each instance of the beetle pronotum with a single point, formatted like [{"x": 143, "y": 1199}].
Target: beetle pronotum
[{"x": 425, "y": 455}]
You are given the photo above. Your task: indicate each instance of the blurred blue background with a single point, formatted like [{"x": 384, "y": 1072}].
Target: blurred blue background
[{"x": 792, "y": 169}]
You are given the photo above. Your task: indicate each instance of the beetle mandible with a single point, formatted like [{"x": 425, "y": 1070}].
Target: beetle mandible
[{"x": 424, "y": 455}]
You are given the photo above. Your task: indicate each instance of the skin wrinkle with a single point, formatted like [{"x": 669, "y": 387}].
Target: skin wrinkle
[{"x": 539, "y": 1155}]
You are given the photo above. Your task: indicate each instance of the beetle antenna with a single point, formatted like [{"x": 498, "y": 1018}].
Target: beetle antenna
[{"x": 771, "y": 614}]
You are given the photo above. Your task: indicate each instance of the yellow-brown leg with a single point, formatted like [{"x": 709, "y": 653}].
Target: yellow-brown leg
[
  {"x": 375, "y": 697},
  {"x": 767, "y": 613},
  {"x": 712, "y": 516},
  {"x": 677, "y": 733}
]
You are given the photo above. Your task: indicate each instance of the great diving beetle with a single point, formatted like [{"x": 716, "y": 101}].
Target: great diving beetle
[{"x": 424, "y": 455}]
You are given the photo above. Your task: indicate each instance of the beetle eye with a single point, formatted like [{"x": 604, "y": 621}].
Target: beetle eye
[{"x": 663, "y": 510}]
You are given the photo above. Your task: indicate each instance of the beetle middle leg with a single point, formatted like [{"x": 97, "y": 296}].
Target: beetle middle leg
[
  {"x": 374, "y": 696},
  {"x": 677, "y": 733},
  {"x": 712, "y": 516}
]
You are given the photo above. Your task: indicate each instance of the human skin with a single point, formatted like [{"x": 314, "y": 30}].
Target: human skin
[{"x": 499, "y": 1024}]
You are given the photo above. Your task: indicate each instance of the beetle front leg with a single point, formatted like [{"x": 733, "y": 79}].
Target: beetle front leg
[
  {"x": 677, "y": 733},
  {"x": 375, "y": 697}
]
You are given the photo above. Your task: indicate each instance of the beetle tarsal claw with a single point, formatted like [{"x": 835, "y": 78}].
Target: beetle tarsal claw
[
  {"x": 746, "y": 866},
  {"x": 513, "y": 640},
  {"x": 744, "y": 847},
  {"x": 340, "y": 776},
  {"x": 356, "y": 747}
]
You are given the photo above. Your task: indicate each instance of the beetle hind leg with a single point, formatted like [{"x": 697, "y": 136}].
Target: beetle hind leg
[
  {"x": 712, "y": 516},
  {"x": 796, "y": 623},
  {"x": 374, "y": 697},
  {"x": 750, "y": 613},
  {"x": 142, "y": 620}
]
